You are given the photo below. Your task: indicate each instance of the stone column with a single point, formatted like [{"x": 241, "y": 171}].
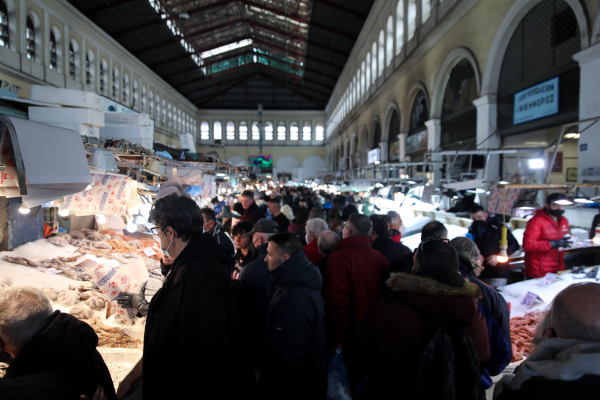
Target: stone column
[
  {"x": 434, "y": 138},
  {"x": 402, "y": 146},
  {"x": 487, "y": 112}
]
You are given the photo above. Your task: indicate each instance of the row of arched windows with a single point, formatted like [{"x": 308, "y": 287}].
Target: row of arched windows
[
  {"x": 381, "y": 54},
  {"x": 116, "y": 83},
  {"x": 270, "y": 132}
]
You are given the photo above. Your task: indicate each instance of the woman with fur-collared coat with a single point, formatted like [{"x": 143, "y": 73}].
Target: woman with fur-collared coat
[{"x": 393, "y": 334}]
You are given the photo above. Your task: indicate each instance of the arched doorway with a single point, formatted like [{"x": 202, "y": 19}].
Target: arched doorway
[
  {"x": 393, "y": 140},
  {"x": 363, "y": 144},
  {"x": 459, "y": 115},
  {"x": 416, "y": 142}
]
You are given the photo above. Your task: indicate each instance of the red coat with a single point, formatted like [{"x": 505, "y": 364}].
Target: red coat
[
  {"x": 391, "y": 336},
  {"x": 312, "y": 252},
  {"x": 354, "y": 276},
  {"x": 539, "y": 258}
]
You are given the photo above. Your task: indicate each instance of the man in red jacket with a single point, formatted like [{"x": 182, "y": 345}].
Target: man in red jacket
[
  {"x": 544, "y": 236},
  {"x": 353, "y": 278}
]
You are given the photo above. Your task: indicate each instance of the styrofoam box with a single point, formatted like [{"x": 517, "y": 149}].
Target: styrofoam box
[
  {"x": 66, "y": 97},
  {"x": 130, "y": 119},
  {"x": 126, "y": 132},
  {"x": 83, "y": 130},
  {"x": 48, "y": 115},
  {"x": 187, "y": 142}
]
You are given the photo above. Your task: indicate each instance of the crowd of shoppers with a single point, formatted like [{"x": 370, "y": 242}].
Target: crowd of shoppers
[{"x": 256, "y": 300}]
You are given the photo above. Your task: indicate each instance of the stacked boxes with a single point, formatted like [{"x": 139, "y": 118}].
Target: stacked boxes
[
  {"x": 135, "y": 128},
  {"x": 79, "y": 111}
]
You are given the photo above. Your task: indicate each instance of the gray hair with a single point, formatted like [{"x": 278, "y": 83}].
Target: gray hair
[
  {"x": 394, "y": 217},
  {"x": 359, "y": 225},
  {"x": 23, "y": 310},
  {"x": 467, "y": 250},
  {"x": 316, "y": 226},
  {"x": 327, "y": 241}
]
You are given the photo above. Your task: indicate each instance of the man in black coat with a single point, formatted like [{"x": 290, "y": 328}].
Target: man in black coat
[
  {"x": 432, "y": 230},
  {"x": 383, "y": 242},
  {"x": 53, "y": 352},
  {"x": 275, "y": 209},
  {"x": 295, "y": 358},
  {"x": 191, "y": 340},
  {"x": 210, "y": 226},
  {"x": 256, "y": 281},
  {"x": 250, "y": 207},
  {"x": 486, "y": 232}
]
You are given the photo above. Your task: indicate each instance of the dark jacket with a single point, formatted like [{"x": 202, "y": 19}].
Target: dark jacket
[
  {"x": 595, "y": 223},
  {"x": 224, "y": 240},
  {"x": 403, "y": 264},
  {"x": 539, "y": 388},
  {"x": 11, "y": 389},
  {"x": 254, "y": 277},
  {"x": 282, "y": 222},
  {"x": 255, "y": 212},
  {"x": 295, "y": 335},
  {"x": 240, "y": 261},
  {"x": 191, "y": 338},
  {"x": 487, "y": 240},
  {"x": 299, "y": 229},
  {"x": 494, "y": 309},
  {"x": 323, "y": 270},
  {"x": 391, "y": 249},
  {"x": 354, "y": 275},
  {"x": 540, "y": 258},
  {"x": 391, "y": 336},
  {"x": 62, "y": 358}
]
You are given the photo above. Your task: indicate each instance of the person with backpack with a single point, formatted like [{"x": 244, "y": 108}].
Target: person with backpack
[{"x": 426, "y": 338}]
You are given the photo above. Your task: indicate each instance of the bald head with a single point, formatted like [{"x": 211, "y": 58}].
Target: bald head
[
  {"x": 576, "y": 312},
  {"x": 326, "y": 243}
]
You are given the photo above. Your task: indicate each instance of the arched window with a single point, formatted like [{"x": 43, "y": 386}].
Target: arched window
[
  {"x": 255, "y": 131},
  {"x": 357, "y": 85},
  {"x": 268, "y": 131},
  {"x": 425, "y": 10},
  {"x": 381, "y": 53},
  {"x": 115, "y": 83},
  {"x": 195, "y": 127},
  {"x": 4, "y": 26},
  {"x": 389, "y": 44},
  {"x": 179, "y": 121},
  {"x": 319, "y": 132},
  {"x": 294, "y": 131},
  {"x": 243, "y": 131},
  {"x": 399, "y": 26},
  {"x": 74, "y": 60},
  {"x": 164, "y": 111},
  {"x": 90, "y": 69},
  {"x": 135, "y": 95},
  {"x": 230, "y": 131},
  {"x": 126, "y": 89},
  {"x": 362, "y": 79},
  {"x": 356, "y": 155},
  {"x": 217, "y": 134},
  {"x": 417, "y": 139},
  {"x": 541, "y": 51},
  {"x": 368, "y": 73},
  {"x": 281, "y": 131},
  {"x": 170, "y": 115},
  {"x": 459, "y": 115},
  {"x": 103, "y": 77},
  {"x": 376, "y": 135},
  {"x": 411, "y": 18},
  {"x": 30, "y": 37},
  {"x": 151, "y": 103},
  {"x": 307, "y": 132},
  {"x": 53, "y": 64},
  {"x": 374, "y": 63},
  {"x": 204, "y": 131},
  {"x": 393, "y": 141},
  {"x": 144, "y": 98}
]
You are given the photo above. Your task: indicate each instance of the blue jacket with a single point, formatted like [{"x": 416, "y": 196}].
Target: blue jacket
[
  {"x": 497, "y": 316},
  {"x": 295, "y": 332}
]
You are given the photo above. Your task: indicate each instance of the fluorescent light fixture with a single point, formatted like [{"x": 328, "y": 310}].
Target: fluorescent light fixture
[
  {"x": 536, "y": 163},
  {"x": 503, "y": 183},
  {"x": 478, "y": 190},
  {"x": 376, "y": 162},
  {"x": 583, "y": 201},
  {"x": 131, "y": 227},
  {"x": 268, "y": 176},
  {"x": 220, "y": 174},
  {"x": 227, "y": 47},
  {"x": 64, "y": 213},
  {"x": 24, "y": 209},
  {"x": 101, "y": 219},
  {"x": 572, "y": 135},
  {"x": 563, "y": 202}
]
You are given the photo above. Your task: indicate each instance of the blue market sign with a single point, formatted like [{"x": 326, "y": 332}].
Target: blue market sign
[{"x": 536, "y": 102}]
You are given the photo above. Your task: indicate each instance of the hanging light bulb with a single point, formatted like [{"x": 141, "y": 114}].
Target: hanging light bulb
[
  {"x": 131, "y": 227},
  {"x": 101, "y": 219},
  {"x": 503, "y": 256},
  {"x": 63, "y": 213},
  {"x": 24, "y": 209}
]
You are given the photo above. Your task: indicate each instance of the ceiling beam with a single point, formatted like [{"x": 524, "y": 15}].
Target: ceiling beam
[
  {"x": 296, "y": 92},
  {"x": 233, "y": 84},
  {"x": 95, "y": 11},
  {"x": 326, "y": 29}
]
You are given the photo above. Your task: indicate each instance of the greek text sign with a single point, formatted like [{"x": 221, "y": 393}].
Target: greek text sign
[{"x": 536, "y": 102}]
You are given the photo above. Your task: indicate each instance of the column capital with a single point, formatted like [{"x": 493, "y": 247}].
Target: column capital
[
  {"x": 592, "y": 53},
  {"x": 485, "y": 100}
]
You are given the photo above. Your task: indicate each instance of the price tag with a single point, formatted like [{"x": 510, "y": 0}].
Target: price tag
[
  {"x": 530, "y": 299},
  {"x": 149, "y": 251},
  {"x": 548, "y": 279}
]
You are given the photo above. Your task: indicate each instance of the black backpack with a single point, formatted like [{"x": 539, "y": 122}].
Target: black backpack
[{"x": 448, "y": 368}]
